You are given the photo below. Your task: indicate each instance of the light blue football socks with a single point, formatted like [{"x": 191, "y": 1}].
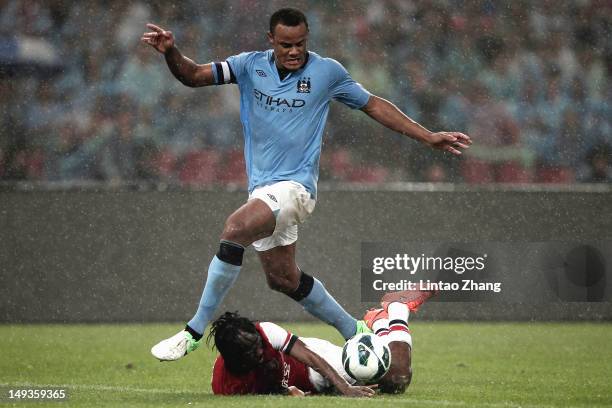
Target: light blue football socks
[
  {"x": 223, "y": 272},
  {"x": 322, "y": 305},
  {"x": 221, "y": 277}
]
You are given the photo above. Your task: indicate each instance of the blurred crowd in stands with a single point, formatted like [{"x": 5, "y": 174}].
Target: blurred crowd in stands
[{"x": 528, "y": 80}]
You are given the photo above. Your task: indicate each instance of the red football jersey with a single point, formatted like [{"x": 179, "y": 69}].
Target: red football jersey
[{"x": 278, "y": 371}]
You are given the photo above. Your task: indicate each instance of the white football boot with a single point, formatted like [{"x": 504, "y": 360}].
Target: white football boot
[{"x": 175, "y": 347}]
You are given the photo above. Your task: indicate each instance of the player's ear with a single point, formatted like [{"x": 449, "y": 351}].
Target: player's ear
[{"x": 271, "y": 38}]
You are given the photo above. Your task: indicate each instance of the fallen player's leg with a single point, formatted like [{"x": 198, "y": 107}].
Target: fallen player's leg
[
  {"x": 399, "y": 341},
  {"x": 391, "y": 323},
  {"x": 412, "y": 298}
]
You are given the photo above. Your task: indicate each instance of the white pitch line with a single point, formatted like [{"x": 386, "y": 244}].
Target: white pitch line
[
  {"x": 95, "y": 387},
  {"x": 478, "y": 404},
  {"x": 115, "y": 388}
]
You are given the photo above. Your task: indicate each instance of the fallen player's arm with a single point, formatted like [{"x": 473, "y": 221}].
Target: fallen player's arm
[
  {"x": 316, "y": 362},
  {"x": 390, "y": 116}
]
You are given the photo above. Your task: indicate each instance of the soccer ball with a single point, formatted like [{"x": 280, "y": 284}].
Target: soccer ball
[{"x": 366, "y": 358}]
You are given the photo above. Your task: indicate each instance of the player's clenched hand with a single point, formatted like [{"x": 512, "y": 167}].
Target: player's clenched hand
[
  {"x": 449, "y": 141},
  {"x": 158, "y": 38},
  {"x": 358, "y": 391}
]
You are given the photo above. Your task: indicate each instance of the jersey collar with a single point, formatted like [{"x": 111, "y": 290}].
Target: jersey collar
[{"x": 278, "y": 72}]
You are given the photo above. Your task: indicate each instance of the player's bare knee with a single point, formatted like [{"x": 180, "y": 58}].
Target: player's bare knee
[{"x": 234, "y": 231}]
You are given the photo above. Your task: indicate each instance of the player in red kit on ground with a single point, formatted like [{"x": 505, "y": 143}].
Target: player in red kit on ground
[{"x": 264, "y": 358}]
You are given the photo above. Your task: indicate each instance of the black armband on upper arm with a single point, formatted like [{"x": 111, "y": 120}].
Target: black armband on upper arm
[
  {"x": 291, "y": 343},
  {"x": 223, "y": 74}
]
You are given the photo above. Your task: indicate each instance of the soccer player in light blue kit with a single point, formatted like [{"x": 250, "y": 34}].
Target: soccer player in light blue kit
[{"x": 284, "y": 101}]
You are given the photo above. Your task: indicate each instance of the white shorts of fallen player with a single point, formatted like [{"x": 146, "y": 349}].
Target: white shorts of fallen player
[
  {"x": 291, "y": 204},
  {"x": 330, "y": 353}
]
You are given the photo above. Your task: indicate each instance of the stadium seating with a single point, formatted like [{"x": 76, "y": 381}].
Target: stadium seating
[{"x": 553, "y": 72}]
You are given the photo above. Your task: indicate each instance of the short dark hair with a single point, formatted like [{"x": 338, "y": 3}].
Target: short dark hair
[
  {"x": 287, "y": 16},
  {"x": 236, "y": 338}
]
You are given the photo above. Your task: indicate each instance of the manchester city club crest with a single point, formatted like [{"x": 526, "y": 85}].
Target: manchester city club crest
[{"x": 303, "y": 85}]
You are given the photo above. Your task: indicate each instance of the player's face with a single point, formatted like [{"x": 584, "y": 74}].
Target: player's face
[{"x": 289, "y": 44}]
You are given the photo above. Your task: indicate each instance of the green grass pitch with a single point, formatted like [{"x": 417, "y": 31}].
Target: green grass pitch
[{"x": 455, "y": 364}]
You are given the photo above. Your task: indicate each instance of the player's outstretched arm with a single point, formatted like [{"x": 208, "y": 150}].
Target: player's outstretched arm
[
  {"x": 183, "y": 68},
  {"x": 316, "y": 362},
  {"x": 392, "y": 117}
]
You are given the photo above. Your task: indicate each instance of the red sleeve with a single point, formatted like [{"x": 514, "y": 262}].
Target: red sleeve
[{"x": 225, "y": 383}]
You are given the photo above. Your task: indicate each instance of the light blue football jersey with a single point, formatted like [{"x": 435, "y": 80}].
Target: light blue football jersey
[{"x": 283, "y": 120}]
